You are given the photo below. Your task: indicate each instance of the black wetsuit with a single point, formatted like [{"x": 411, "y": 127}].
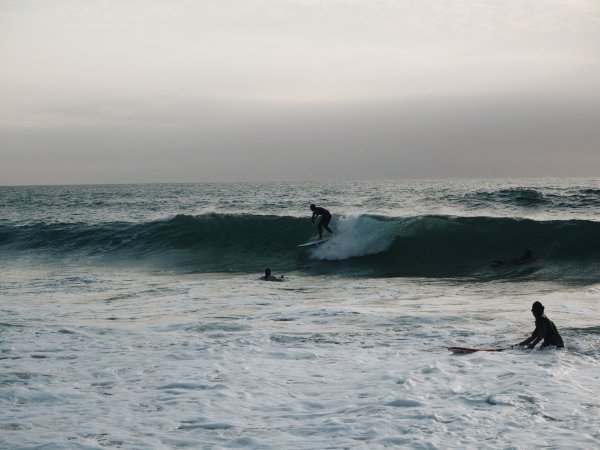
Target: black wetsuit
[
  {"x": 325, "y": 219},
  {"x": 546, "y": 329}
]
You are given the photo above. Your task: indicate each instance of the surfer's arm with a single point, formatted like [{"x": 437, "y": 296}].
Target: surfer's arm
[
  {"x": 529, "y": 339},
  {"x": 535, "y": 342},
  {"x": 537, "y": 335},
  {"x": 526, "y": 341},
  {"x": 314, "y": 216},
  {"x": 272, "y": 278}
]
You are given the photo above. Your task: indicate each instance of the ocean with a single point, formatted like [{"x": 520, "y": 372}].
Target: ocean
[{"x": 133, "y": 316}]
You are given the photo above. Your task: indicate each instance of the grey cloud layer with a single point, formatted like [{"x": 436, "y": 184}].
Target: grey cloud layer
[
  {"x": 498, "y": 137},
  {"x": 154, "y": 90}
]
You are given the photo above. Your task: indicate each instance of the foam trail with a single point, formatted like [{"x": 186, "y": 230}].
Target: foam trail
[{"x": 357, "y": 235}]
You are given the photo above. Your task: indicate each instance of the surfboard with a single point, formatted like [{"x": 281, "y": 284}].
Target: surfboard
[
  {"x": 473, "y": 350},
  {"x": 320, "y": 241}
]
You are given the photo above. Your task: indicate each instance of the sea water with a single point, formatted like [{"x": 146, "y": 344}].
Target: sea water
[{"x": 133, "y": 316}]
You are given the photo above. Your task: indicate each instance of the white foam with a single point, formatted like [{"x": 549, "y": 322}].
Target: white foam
[
  {"x": 208, "y": 362},
  {"x": 357, "y": 235}
]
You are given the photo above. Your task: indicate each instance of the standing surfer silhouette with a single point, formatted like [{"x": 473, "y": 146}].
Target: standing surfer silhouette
[{"x": 324, "y": 221}]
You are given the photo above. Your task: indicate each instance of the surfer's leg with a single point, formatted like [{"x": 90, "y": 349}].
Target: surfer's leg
[{"x": 325, "y": 223}]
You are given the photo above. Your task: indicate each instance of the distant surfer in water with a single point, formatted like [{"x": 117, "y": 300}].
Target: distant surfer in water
[
  {"x": 325, "y": 218},
  {"x": 544, "y": 329},
  {"x": 269, "y": 277},
  {"x": 525, "y": 258}
]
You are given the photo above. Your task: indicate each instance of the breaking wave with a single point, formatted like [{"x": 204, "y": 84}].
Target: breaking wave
[{"x": 362, "y": 245}]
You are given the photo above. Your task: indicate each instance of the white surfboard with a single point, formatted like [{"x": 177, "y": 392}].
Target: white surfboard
[{"x": 320, "y": 241}]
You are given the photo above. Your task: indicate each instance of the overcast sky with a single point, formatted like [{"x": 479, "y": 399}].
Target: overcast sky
[{"x": 118, "y": 91}]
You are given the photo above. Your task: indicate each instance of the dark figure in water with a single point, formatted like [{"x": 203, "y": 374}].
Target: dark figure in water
[
  {"x": 325, "y": 218},
  {"x": 269, "y": 277},
  {"x": 525, "y": 258},
  {"x": 544, "y": 329}
]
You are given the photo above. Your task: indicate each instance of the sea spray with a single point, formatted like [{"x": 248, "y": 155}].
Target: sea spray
[{"x": 357, "y": 235}]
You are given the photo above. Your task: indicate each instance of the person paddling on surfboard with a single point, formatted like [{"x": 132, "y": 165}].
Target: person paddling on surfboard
[
  {"x": 525, "y": 258},
  {"x": 544, "y": 329},
  {"x": 269, "y": 277},
  {"x": 325, "y": 218}
]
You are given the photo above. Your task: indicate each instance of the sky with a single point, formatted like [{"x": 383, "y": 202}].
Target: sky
[{"x": 107, "y": 91}]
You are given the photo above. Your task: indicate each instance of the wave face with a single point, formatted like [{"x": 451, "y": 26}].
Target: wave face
[{"x": 362, "y": 245}]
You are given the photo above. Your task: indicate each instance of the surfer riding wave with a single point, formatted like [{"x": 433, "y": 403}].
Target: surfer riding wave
[{"x": 324, "y": 221}]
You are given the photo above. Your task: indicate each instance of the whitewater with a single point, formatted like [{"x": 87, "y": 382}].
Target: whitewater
[{"x": 132, "y": 316}]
